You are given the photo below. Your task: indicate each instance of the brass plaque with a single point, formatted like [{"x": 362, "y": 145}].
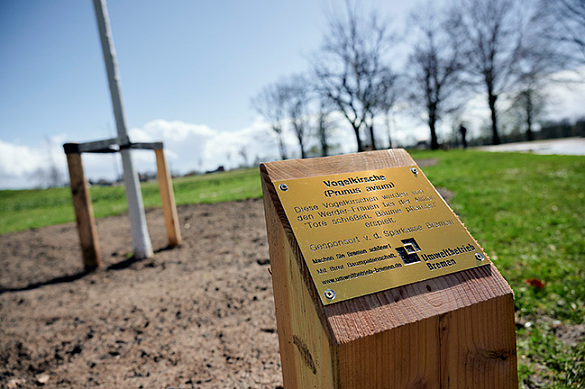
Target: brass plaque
[{"x": 369, "y": 231}]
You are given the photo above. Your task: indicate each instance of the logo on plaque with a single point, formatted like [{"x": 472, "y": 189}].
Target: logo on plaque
[{"x": 408, "y": 251}]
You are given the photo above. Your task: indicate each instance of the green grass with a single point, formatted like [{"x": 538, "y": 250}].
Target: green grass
[
  {"x": 23, "y": 209},
  {"x": 527, "y": 211}
]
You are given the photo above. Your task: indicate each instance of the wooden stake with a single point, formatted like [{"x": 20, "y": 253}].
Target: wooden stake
[
  {"x": 454, "y": 331},
  {"x": 168, "y": 199},
  {"x": 83, "y": 213}
]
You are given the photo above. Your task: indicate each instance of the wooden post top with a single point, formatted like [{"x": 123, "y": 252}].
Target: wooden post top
[{"x": 368, "y": 315}]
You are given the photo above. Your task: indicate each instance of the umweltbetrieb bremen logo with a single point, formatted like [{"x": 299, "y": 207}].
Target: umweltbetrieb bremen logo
[
  {"x": 408, "y": 251},
  {"x": 444, "y": 258}
]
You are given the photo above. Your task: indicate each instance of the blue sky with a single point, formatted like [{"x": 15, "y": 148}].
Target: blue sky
[
  {"x": 188, "y": 60},
  {"x": 188, "y": 70},
  {"x": 193, "y": 63}
]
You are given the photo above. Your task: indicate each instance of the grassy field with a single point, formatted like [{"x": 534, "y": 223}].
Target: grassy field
[
  {"x": 23, "y": 209},
  {"x": 527, "y": 211}
]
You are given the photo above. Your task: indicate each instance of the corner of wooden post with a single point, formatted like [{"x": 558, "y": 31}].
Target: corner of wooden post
[
  {"x": 455, "y": 330},
  {"x": 83, "y": 211},
  {"x": 168, "y": 199}
]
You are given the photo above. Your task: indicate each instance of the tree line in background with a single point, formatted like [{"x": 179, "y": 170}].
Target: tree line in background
[{"x": 506, "y": 50}]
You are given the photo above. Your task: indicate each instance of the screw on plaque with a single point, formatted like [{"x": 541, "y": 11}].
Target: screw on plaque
[
  {"x": 329, "y": 293},
  {"x": 283, "y": 187},
  {"x": 479, "y": 256},
  {"x": 414, "y": 170}
]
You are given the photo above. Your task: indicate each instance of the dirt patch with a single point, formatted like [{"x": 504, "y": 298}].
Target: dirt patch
[
  {"x": 573, "y": 335},
  {"x": 198, "y": 316}
]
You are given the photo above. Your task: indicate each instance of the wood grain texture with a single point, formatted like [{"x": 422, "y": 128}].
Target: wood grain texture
[
  {"x": 281, "y": 285},
  {"x": 454, "y": 331},
  {"x": 83, "y": 213},
  {"x": 167, "y": 196}
]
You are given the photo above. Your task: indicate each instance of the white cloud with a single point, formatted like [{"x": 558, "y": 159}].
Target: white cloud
[
  {"x": 196, "y": 147},
  {"x": 19, "y": 162},
  {"x": 566, "y": 99},
  {"x": 188, "y": 147},
  {"x": 224, "y": 147},
  {"x": 169, "y": 131}
]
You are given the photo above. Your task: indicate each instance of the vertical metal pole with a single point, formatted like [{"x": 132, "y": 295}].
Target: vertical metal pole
[{"x": 140, "y": 238}]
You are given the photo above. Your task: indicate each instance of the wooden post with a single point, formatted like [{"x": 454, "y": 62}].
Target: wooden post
[
  {"x": 453, "y": 331},
  {"x": 83, "y": 213},
  {"x": 168, "y": 199}
]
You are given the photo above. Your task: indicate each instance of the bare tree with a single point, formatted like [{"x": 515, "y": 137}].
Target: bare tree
[
  {"x": 350, "y": 65},
  {"x": 385, "y": 97},
  {"x": 297, "y": 99},
  {"x": 244, "y": 154},
  {"x": 49, "y": 176},
  {"x": 435, "y": 67},
  {"x": 529, "y": 102},
  {"x": 566, "y": 24},
  {"x": 270, "y": 103},
  {"x": 389, "y": 118},
  {"x": 492, "y": 39},
  {"x": 324, "y": 126},
  {"x": 537, "y": 61},
  {"x": 538, "y": 58}
]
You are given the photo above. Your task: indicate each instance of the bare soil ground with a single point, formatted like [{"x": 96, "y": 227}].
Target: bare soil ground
[{"x": 197, "y": 316}]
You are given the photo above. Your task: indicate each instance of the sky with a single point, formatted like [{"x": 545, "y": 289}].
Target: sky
[{"x": 188, "y": 70}]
